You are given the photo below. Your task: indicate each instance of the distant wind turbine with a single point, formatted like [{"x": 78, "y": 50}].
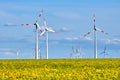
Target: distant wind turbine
[
  {"x": 76, "y": 52},
  {"x": 95, "y": 36},
  {"x": 46, "y": 29},
  {"x": 17, "y": 54},
  {"x": 104, "y": 52},
  {"x": 73, "y": 51}
]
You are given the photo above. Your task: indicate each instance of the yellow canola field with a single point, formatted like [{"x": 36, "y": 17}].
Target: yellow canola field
[{"x": 60, "y": 69}]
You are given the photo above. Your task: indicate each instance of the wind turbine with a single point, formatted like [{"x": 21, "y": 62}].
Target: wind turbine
[
  {"x": 73, "y": 51},
  {"x": 46, "y": 29},
  {"x": 104, "y": 52},
  {"x": 17, "y": 54},
  {"x": 95, "y": 29},
  {"x": 36, "y": 39},
  {"x": 76, "y": 52}
]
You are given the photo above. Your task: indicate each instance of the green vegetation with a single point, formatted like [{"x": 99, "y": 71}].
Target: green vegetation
[{"x": 60, "y": 69}]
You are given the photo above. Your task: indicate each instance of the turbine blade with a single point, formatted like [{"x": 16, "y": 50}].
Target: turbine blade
[
  {"x": 50, "y": 30},
  {"x": 88, "y": 33},
  {"x": 101, "y": 31},
  {"x": 42, "y": 33},
  {"x": 10, "y": 25},
  {"x": 26, "y": 24},
  {"x": 94, "y": 18},
  {"x": 41, "y": 12},
  {"x": 42, "y": 28}
]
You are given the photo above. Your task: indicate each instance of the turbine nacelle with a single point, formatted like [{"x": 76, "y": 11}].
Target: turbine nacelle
[{"x": 38, "y": 27}]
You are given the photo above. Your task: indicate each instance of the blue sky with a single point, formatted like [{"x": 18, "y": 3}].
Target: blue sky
[{"x": 70, "y": 18}]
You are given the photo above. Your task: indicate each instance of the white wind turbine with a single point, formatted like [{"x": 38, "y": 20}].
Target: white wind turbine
[
  {"x": 95, "y": 36},
  {"x": 46, "y": 29},
  {"x": 36, "y": 39}
]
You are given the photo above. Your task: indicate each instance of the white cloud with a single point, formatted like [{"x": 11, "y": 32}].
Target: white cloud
[
  {"x": 112, "y": 41},
  {"x": 72, "y": 38},
  {"x": 86, "y": 38},
  {"x": 64, "y": 29},
  {"x": 78, "y": 38},
  {"x": 7, "y": 51}
]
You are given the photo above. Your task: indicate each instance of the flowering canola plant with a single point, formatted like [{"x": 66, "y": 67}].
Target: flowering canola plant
[{"x": 60, "y": 69}]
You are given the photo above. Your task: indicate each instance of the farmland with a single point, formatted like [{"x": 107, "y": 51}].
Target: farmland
[{"x": 60, "y": 69}]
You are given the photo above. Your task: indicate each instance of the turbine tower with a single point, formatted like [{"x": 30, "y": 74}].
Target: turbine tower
[
  {"x": 17, "y": 54},
  {"x": 36, "y": 46},
  {"x": 46, "y": 29},
  {"x": 95, "y": 40},
  {"x": 95, "y": 37}
]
